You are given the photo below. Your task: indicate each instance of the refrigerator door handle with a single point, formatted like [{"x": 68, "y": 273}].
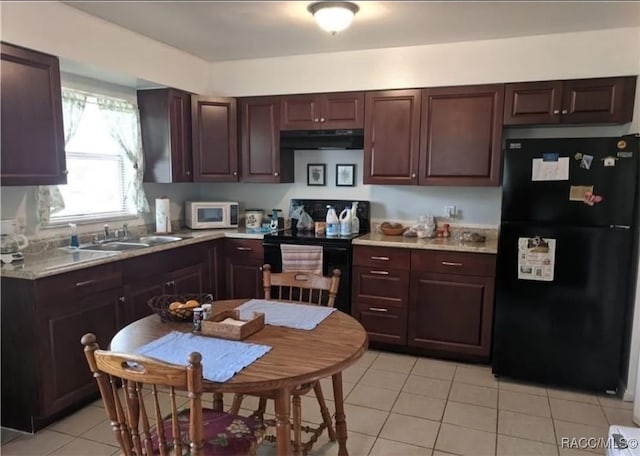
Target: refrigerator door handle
[{"x": 621, "y": 227}]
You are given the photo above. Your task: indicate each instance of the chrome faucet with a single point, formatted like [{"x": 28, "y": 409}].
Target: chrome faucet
[
  {"x": 125, "y": 231},
  {"x": 106, "y": 231}
]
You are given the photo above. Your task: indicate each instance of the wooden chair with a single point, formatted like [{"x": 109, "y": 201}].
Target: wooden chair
[
  {"x": 305, "y": 288},
  {"x": 135, "y": 419}
]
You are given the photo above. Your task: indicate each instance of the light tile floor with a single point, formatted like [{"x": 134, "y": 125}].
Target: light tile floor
[{"x": 398, "y": 405}]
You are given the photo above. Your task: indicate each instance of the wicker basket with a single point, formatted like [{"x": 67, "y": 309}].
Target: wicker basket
[
  {"x": 392, "y": 230},
  {"x": 160, "y": 305}
]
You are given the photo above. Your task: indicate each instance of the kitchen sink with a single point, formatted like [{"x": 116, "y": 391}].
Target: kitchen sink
[
  {"x": 116, "y": 246},
  {"x": 158, "y": 239}
]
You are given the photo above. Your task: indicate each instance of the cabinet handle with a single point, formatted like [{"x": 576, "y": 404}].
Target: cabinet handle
[
  {"x": 235, "y": 173},
  {"x": 380, "y": 258},
  {"x": 413, "y": 176},
  {"x": 379, "y": 272},
  {"x": 275, "y": 174},
  {"x": 556, "y": 111},
  {"x": 170, "y": 283},
  {"x": 449, "y": 263},
  {"x": 65, "y": 172},
  {"x": 322, "y": 119},
  {"x": 188, "y": 173},
  {"x": 316, "y": 120},
  {"x": 244, "y": 249},
  {"x": 564, "y": 111},
  {"x": 378, "y": 309},
  {"x": 122, "y": 299},
  {"x": 85, "y": 283}
]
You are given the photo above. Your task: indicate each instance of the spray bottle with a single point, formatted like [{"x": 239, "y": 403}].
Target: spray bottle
[
  {"x": 73, "y": 242},
  {"x": 355, "y": 221}
]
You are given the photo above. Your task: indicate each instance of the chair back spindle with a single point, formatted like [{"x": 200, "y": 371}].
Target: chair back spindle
[{"x": 302, "y": 287}]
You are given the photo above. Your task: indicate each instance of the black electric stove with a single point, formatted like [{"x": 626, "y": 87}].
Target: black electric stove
[{"x": 336, "y": 249}]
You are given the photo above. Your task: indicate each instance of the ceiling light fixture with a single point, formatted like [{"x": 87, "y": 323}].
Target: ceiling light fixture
[{"x": 333, "y": 17}]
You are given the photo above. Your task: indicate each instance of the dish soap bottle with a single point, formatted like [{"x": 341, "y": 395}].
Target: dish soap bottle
[
  {"x": 345, "y": 222},
  {"x": 73, "y": 242},
  {"x": 333, "y": 224},
  {"x": 355, "y": 221}
]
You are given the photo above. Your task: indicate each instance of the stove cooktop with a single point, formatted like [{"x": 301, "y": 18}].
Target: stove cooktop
[{"x": 294, "y": 235}]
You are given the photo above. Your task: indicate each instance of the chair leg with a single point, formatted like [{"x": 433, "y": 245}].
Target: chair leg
[
  {"x": 297, "y": 425},
  {"x": 262, "y": 408},
  {"x": 237, "y": 403},
  {"x": 326, "y": 416}
]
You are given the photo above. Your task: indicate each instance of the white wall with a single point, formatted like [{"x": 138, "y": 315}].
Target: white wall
[
  {"x": 560, "y": 56},
  {"x": 58, "y": 29}
]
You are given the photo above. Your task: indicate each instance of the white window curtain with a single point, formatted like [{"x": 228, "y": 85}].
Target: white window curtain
[
  {"x": 48, "y": 197},
  {"x": 123, "y": 120}
]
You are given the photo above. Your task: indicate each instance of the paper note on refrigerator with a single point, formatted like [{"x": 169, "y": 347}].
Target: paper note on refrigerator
[
  {"x": 536, "y": 258},
  {"x": 542, "y": 170}
]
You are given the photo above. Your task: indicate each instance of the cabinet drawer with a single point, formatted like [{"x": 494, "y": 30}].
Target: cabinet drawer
[
  {"x": 77, "y": 284},
  {"x": 381, "y": 257},
  {"x": 380, "y": 286},
  {"x": 245, "y": 250},
  {"x": 383, "y": 324},
  {"x": 454, "y": 263}
]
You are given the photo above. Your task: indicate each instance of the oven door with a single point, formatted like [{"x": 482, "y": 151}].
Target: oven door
[{"x": 333, "y": 257}]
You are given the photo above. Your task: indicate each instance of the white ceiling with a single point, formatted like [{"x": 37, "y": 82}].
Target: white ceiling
[{"x": 218, "y": 30}]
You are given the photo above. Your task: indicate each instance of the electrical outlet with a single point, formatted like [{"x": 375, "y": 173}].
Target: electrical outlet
[{"x": 450, "y": 211}]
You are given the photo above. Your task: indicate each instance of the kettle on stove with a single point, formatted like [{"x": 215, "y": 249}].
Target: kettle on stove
[{"x": 10, "y": 242}]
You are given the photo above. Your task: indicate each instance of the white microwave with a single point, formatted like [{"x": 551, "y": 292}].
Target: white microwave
[{"x": 202, "y": 215}]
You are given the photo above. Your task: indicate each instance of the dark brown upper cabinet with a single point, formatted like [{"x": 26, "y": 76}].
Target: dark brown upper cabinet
[
  {"x": 32, "y": 133},
  {"x": 165, "y": 120},
  {"x": 461, "y": 135},
  {"x": 392, "y": 133},
  {"x": 579, "y": 101},
  {"x": 214, "y": 136},
  {"x": 323, "y": 111},
  {"x": 260, "y": 142}
]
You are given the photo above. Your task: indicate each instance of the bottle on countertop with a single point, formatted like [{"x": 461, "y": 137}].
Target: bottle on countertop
[
  {"x": 345, "y": 222},
  {"x": 333, "y": 223},
  {"x": 73, "y": 242},
  {"x": 355, "y": 221}
]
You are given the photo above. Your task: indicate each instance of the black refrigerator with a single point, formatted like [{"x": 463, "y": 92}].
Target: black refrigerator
[{"x": 566, "y": 261}]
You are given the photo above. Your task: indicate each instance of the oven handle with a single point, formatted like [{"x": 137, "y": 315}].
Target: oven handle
[{"x": 324, "y": 247}]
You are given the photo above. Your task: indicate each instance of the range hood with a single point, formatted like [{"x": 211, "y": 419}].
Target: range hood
[{"x": 322, "y": 139}]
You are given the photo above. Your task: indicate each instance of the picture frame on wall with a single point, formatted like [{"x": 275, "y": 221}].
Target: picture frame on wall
[
  {"x": 316, "y": 174},
  {"x": 345, "y": 175}
]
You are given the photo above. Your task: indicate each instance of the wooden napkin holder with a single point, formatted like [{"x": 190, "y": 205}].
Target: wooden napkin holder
[{"x": 214, "y": 327}]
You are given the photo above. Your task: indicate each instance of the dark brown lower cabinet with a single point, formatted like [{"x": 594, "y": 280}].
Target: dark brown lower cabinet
[
  {"x": 428, "y": 302},
  {"x": 243, "y": 263},
  {"x": 380, "y": 303},
  {"x": 44, "y": 372},
  {"x": 451, "y": 314}
]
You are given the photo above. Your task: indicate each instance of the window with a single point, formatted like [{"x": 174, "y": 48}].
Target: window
[{"x": 102, "y": 176}]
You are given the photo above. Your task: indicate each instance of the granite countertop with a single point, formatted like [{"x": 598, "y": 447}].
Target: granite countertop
[
  {"x": 490, "y": 246},
  {"x": 60, "y": 260}
]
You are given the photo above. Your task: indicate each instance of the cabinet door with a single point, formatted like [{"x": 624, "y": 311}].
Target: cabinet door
[
  {"x": 383, "y": 324},
  {"x": 461, "y": 142},
  {"x": 243, "y": 261},
  {"x": 392, "y": 134},
  {"x": 342, "y": 110},
  {"x": 165, "y": 122},
  {"x": 260, "y": 142},
  {"x": 451, "y": 314},
  {"x": 532, "y": 103},
  {"x": 607, "y": 100},
  {"x": 32, "y": 135},
  {"x": 137, "y": 294},
  {"x": 215, "y": 152},
  {"x": 300, "y": 112},
  {"x": 186, "y": 280},
  {"x": 66, "y": 378}
]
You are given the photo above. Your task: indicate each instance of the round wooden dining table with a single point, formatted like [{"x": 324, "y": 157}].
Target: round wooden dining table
[{"x": 296, "y": 357}]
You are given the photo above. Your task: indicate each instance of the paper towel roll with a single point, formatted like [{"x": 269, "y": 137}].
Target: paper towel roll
[{"x": 163, "y": 215}]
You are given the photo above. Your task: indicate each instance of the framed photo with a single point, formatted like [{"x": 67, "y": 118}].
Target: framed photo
[
  {"x": 345, "y": 175},
  {"x": 316, "y": 174}
]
